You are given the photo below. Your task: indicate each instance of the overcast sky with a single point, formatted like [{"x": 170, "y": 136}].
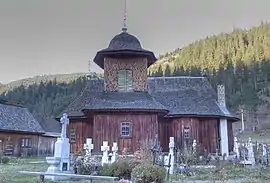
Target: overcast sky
[{"x": 61, "y": 36}]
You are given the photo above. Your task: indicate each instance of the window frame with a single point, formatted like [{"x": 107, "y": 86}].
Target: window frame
[
  {"x": 72, "y": 135},
  {"x": 26, "y": 142},
  {"x": 128, "y": 126},
  {"x": 125, "y": 80},
  {"x": 186, "y": 132}
]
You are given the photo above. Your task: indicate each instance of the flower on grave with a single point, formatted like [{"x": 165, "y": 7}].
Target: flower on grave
[{"x": 89, "y": 165}]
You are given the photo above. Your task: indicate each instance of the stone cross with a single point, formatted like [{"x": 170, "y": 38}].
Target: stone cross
[
  {"x": 194, "y": 145},
  {"x": 236, "y": 148},
  {"x": 264, "y": 150},
  {"x": 105, "y": 148},
  {"x": 171, "y": 152},
  {"x": 88, "y": 147},
  {"x": 114, "y": 150},
  {"x": 64, "y": 121},
  {"x": 221, "y": 95},
  {"x": 251, "y": 157}
]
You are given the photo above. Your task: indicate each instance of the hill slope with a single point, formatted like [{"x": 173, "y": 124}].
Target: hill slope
[
  {"x": 240, "y": 60},
  {"x": 209, "y": 53}
]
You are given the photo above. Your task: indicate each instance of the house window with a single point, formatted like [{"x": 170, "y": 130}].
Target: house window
[
  {"x": 26, "y": 142},
  {"x": 125, "y": 129},
  {"x": 72, "y": 135},
  {"x": 186, "y": 132},
  {"x": 124, "y": 78}
]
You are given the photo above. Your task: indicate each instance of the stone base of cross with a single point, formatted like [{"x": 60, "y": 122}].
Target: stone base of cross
[
  {"x": 88, "y": 147},
  {"x": 105, "y": 149}
]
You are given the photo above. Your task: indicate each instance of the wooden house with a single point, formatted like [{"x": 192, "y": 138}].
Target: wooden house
[
  {"x": 128, "y": 107},
  {"x": 20, "y": 132}
]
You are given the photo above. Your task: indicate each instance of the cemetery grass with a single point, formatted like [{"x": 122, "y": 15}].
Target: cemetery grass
[
  {"x": 8, "y": 172},
  {"x": 246, "y": 175}
]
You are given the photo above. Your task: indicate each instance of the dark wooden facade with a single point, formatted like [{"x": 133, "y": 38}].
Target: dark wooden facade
[
  {"x": 106, "y": 127},
  {"x": 23, "y": 144}
]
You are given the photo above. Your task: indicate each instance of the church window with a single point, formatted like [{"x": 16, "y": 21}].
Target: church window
[
  {"x": 186, "y": 132},
  {"x": 26, "y": 142},
  {"x": 125, "y": 129},
  {"x": 124, "y": 78},
  {"x": 72, "y": 135}
]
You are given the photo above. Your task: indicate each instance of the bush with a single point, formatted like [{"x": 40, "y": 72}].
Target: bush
[
  {"x": 5, "y": 160},
  {"x": 146, "y": 173},
  {"x": 122, "y": 168},
  {"x": 88, "y": 165}
]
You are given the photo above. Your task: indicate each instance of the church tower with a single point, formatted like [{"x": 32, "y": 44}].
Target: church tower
[{"x": 125, "y": 63}]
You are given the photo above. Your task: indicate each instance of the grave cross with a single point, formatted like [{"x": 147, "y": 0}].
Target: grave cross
[
  {"x": 171, "y": 153},
  {"x": 236, "y": 148},
  {"x": 89, "y": 146},
  {"x": 114, "y": 150},
  {"x": 194, "y": 146},
  {"x": 105, "y": 148},
  {"x": 64, "y": 121}
]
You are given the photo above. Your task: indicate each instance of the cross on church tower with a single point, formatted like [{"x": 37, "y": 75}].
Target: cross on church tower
[{"x": 124, "y": 29}]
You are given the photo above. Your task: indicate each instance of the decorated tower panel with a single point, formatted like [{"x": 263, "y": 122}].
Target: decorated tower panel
[{"x": 125, "y": 74}]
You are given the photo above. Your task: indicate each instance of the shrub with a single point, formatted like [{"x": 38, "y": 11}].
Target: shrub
[
  {"x": 146, "y": 173},
  {"x": 88, "y": 165},
  {"x": 5, "y": 160},
  {"x": 122, "y": 168}
]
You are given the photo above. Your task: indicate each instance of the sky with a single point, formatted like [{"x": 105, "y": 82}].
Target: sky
[{"x": 61, "y": 36}]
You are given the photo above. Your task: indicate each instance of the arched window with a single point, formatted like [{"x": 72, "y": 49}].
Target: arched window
[{"x": 124, "y": 78}]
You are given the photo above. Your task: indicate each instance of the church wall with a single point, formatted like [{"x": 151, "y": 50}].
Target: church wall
[
  {"x": 107, "y": 127},
  {"x": 230, "y": 135},
  {"x": 204, "y": 130},
  {"x": 138, "y": 67},
  {"x": 164, "y": 132},
  {"x": 77, "y": 132}
]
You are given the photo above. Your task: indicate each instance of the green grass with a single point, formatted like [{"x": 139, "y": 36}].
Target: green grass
[
  {"x": 8, "y": 173},
  {"x": 247, "y": 175}
]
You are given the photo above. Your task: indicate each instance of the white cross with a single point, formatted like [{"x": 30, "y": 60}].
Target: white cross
[
  {"x": 89, "y": 146},
  {"x": 64, "y": 121},
  {"x": 114, "y": 150},
  {"x": 114, "y": 147},
  {"x": 105, "y": 148},
  {"x": 194, "y": 145}
]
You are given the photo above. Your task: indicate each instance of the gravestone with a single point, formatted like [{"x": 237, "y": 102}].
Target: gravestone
[
  {"x": 105, "y": 157},
  {"x": 114, "y": 152},
  {"x": 236, "y": 148},
  {"x": 60, "y": 162},
  {"x": 194, "y": 146},
  {"x": 88, "y": 147},
  {"x": 171, "y": 152},
  {"x": 250, "y": 154}
]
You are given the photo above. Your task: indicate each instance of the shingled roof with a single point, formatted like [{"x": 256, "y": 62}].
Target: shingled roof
[
  {"x": 125, "y": 101},
  {"x": 188, "y": 96},
  {"x": 17, "y": 118},
  {"x": 124, "y": 45},
  {"x": 181, "y": 96}
]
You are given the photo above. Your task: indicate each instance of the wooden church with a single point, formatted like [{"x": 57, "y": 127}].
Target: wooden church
[{"x": 128, "y": 107}]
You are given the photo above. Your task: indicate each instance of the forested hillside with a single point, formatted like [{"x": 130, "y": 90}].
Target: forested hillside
[
  {"x": 46, "y": 99},
  {"x": 240, "y": 60}
]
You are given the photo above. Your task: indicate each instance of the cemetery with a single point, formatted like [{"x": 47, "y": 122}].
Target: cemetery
[{"x": 248, "y": 162}]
